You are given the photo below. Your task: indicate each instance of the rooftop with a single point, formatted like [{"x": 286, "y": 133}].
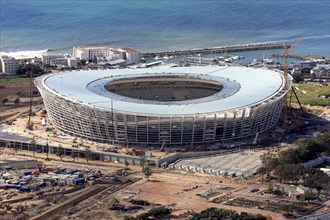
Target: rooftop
[
  {"x": 242, "y": 87},
  {"x": 128, "y": 49}
]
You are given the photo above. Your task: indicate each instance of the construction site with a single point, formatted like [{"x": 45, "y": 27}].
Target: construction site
[
  {"x": 56, "y": 167},
  {"x": 57, "y": 189}
]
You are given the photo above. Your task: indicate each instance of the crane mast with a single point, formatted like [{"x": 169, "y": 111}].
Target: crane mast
[{"x": 285, "y": 76}]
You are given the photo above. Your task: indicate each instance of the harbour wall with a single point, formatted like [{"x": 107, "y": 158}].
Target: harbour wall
[
  {"x": 221, "y": 49},
  {"x": 305, "y": 57}
]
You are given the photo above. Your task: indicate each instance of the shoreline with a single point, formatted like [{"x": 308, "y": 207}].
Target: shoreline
[{"x": 28, "y": 54}]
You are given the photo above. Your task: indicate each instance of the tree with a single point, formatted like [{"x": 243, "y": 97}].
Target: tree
[
  {"x": 289, "y": 172},
  {"x": 298, "y": 77},
  {"x": 316, "y": 178},
  {"x": 159, "y": 212},
  {"x": 47, "y": 148},
  {"x": 16, "y": 101},
  {"x": 269, "y": 162},
  {"x": 147, "y": 171},
  {"x": 173, "y": 205},
  {"x": 142, "y": 161},
  {"x": 88, "y": 155},
  {"x": 60, "y": 152},
  {"x": 74, "y": 155},
  {"x": 154, "y": 213},
  {"x": 4, "y": 101},
  {"x": 82, "y": 62},
  {"x": 215, "y": 213},
  {"x": 126, "y": 164},
  {"x": 26, "y": 68},
  {"x": 33, "y": 146}
]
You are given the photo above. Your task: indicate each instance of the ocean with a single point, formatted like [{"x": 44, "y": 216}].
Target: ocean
[{"x": 55, "y": 26}]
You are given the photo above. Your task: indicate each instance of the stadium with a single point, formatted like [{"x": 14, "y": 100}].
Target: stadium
[{"x": 177, "y": 107}]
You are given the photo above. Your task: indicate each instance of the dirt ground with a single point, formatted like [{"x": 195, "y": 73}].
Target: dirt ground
[
  {"x": 9, "y": 92},
  {"x": 164, "y": 187},
  {"x": 167, "y": 189}
]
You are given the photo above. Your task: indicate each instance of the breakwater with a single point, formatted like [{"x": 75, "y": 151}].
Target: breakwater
[
  {"x": 304, "y": 57},
  {"x": 221, "y": 49}
]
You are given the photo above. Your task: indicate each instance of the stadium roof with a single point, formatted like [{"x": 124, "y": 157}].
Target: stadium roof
[{"x": 242, "y": 87}]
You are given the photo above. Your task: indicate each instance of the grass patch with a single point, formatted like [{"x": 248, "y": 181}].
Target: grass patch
[
  {"x": 13, "y": 79},
  {"x": 311, "y": 95}
]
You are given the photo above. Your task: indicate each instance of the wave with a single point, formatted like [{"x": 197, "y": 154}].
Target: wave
[{"x": 25, "y": 54}]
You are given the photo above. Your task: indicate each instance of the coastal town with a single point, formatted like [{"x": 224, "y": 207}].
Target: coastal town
[{"x": 112, "y": 57}]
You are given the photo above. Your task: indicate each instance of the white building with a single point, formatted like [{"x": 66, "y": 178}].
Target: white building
[
  {"x": 322, "y": 70},
  {"x": 46, "y": 58},
  {"x": 107, "y": 53},
  {"x": 307, "y": 64},
  {"x": 59, "y": 61},
  {"x": 9, "y": 65},
  {"x": 72, "y": 62}
]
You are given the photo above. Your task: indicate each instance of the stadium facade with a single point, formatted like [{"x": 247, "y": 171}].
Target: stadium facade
[{"x": 181, "y": 106}]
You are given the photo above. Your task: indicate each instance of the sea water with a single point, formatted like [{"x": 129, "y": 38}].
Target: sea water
[{"x": 35, "y": 26}]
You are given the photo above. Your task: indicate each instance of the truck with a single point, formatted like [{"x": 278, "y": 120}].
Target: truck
[
  {"x": 24, "y": 189},
  {"x": 12, "y": 186},
  {"x": 79, "y": 181},
  {"x": 26, "y": 173}
]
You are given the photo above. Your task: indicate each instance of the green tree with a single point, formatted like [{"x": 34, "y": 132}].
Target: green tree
[
  {"x": 269, "y": 162},
  {"x": 154, "y": 213},
  {"x": 173, "y": 205},
  {"x": 33, "y": 145},
  {"x": 88, "y": 155},
  {"x": 47, "y": 149},
  {"x": 147, "y": 171},
  {"x": 316, "y": 178},
  {"x": 298, "y": 77},
  {"x": 215, "y": 213},
  {"x": 74, "y": 155},
  {"x": 60, "y": 152},
  {"x": 4, "y": 101},
  {"x": 289, "y": 172},
  {"x": 126, "y": 164},
  {"x": 26, "y": 68},
  {"x": 142, "y": 161},
  {"x": 82, "y": 62},
  {"x": 16, "y": 101},
  {"x": 159, "y": 212}
]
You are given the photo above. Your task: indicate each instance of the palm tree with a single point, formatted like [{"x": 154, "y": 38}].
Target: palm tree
[
  {"x": 47, "y": 149},
  {"x": 88, "y": 155},
  {"x": 60, "y": 152},
  {"x": 33, "y": 146},
  {"x": 74, "y": 155}
]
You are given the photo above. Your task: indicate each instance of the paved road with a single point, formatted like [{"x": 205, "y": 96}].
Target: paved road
[{"x": 320, "y": 216}]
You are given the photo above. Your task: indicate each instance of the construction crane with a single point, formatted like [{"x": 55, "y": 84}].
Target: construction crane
[
  {"x": 285, "y": 76},
  {"x": 29, "y": 124},
  {"x": 163, "y": 146}
]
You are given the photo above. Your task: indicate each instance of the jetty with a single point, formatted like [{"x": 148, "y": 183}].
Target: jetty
[
  {"x": 220, "y": 49},
  {"x": 305, "y": 57}
]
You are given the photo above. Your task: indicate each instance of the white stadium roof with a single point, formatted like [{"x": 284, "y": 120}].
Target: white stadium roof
[{"x": 245, "y": 87}]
